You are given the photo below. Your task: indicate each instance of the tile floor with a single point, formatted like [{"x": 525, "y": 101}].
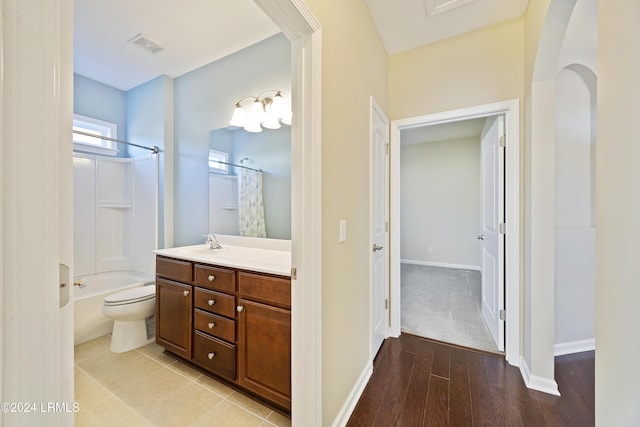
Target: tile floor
[
  {"x": 145, "y": 387},
  {"x": 444, "y": 304}
]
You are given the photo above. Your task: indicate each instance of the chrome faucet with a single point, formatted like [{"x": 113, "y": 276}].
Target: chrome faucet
[{"x": 212, "y": 240}]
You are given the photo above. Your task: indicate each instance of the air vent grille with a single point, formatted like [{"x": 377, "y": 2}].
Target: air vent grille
[
  {"x": 435, "y": 7},
  {"x": 146, "y": 43}
]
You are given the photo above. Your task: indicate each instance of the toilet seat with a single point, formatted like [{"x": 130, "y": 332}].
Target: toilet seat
[{"x": 131, "y": 296}]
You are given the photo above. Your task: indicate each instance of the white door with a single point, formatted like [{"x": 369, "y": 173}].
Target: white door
[
  {"x": 379, "y": 216},
  {"x": 492, "y": 195}
]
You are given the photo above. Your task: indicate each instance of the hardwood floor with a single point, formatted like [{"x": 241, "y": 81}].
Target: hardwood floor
[{"x": 418, "y": 382}]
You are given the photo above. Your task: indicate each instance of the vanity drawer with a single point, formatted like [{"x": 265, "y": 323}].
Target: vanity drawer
[
  {"x": 181, "y": 271},
  {"x": 215, "y": 355},
  {"x": 215, "y": 325},
  {"x": 216, "y": 278},
  {"x": 215, "y": 302},
  {"x": 265, "y": 289}
]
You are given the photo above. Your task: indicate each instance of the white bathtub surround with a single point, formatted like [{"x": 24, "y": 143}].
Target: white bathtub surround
[
  {"x": 115, "y": 214},
  {"x": 115, "y": 228},
  {"x": 271, "y": 256}
]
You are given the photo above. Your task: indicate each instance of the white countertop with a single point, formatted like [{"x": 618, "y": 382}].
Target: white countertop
[{"x": 259, "y": 259}]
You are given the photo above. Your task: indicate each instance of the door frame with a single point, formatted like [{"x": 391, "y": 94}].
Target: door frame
[
  {"x": 511, "y": 111},
  {"x": 305, "y": 33}
]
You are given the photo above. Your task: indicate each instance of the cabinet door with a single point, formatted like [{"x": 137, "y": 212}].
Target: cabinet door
[
  {"x": 174, "y": 303},
  {"x": 264, "y": 350}
]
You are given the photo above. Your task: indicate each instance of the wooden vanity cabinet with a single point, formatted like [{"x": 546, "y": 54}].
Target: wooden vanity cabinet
[
  {"x": 173, "y": 316},
  {"x": 174, "y": 305},
  {"x": 232, "y": 323},
  {"x": 264, "y": 336}
]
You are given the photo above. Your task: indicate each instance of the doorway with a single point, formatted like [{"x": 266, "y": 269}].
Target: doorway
[
  {"x": 452, "y": 283},
  {"x": 511, "y": 269}
]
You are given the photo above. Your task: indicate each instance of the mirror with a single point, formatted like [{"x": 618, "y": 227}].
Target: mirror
[{"x": 269, "y": 152}]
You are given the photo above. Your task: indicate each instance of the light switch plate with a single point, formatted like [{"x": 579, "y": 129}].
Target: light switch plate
[{"x": 343, "y": 231}]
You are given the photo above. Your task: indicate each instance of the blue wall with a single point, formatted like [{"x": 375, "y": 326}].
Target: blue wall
[
  {"x": 150, "y": 123},
  {"x": 97, "y": 100}
]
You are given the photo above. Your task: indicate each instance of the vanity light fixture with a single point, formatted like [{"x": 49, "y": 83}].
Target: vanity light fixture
[{"x": 265, "y": 112}]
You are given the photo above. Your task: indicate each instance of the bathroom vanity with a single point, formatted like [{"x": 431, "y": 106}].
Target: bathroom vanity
[{"x": 228, "y": 311}]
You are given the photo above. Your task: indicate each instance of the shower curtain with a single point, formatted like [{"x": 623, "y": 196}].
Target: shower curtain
[{"x": 250, "y": 205}]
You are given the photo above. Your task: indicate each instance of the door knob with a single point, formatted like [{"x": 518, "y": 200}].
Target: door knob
[
  {"x": 480, "y": 236},
  {"x": 377, "y": 248},
  {"x": 240, "y": 308},
  {"x": 185, "y": 293}
]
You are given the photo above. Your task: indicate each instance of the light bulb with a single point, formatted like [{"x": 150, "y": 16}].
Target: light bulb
[
  {"x": 239, "y": 117},
  {"x": 277, "y": 106}
]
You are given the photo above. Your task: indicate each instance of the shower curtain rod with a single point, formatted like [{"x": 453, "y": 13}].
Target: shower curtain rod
[
  {"x": 153, "y": 149},
  {"x": 237, "y": 166}
]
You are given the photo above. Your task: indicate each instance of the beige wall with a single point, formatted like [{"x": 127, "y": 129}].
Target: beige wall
[
  {"x": 618, "y": 215},
  {"x": 354, "y": 66},
  {"x": 479, "y": 67}
]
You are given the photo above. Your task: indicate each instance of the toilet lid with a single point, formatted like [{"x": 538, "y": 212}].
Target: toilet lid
[{"x": 137, "y": 294}]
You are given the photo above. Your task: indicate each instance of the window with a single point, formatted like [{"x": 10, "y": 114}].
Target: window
[
  {"x": 95, "y": 127},
  {"x": 215, "y": 157}
]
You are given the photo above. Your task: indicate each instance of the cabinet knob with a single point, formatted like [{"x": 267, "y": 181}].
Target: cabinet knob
[
  {"x": 211, "y": 278},
  {"x": 211, "y": 301},
  {"x": 211, "y": 325},
  {"x": 211, "y": 355},
  {"x": 239, "y": 308},
  {"x": 185, "y": 293}
]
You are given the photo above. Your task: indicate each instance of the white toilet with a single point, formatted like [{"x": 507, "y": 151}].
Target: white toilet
[{"x": 129, "y": 310}]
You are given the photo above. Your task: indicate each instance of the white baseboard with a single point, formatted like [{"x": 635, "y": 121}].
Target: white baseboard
[
  {"x": 440, "y": 264},
  {"x": 343, "y": 416},
  {"x": 574, "y": 347},
  {"x": 534, "y": 382}
]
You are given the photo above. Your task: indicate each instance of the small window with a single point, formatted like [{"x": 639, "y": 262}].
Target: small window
[
  {"x": 95, "y": 127},
  {"x": 218, "y": 161}
]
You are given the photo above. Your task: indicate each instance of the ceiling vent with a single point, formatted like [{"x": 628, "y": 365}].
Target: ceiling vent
[
  {"x": 146, "y": 43},
  {"x": 435, "y": 7}
]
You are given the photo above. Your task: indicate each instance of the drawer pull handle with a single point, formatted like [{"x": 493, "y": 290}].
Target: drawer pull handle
[
  {"x": 211, "y": 325},
  {"x": 185, "y": 293},
  {"x": 211, "y": 278},
  {"x": 211, "y": 301},
  {"x": 240, "y": 308},
  {"x": 211, "y": 355}
]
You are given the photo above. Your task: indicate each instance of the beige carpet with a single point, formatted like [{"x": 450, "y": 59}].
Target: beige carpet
[{"x": 444, "y": 304}]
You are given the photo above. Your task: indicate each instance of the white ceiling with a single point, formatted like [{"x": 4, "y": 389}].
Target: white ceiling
[
  {"x": 192, "y": 32},
  {"x": 406, "y": 24},
  {"x": 471, "y": 128},
  {"x": 197, "y": 32}
]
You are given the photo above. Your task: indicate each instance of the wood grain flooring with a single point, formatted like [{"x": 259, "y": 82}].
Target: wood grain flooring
[{"x": 418, "y": 382}]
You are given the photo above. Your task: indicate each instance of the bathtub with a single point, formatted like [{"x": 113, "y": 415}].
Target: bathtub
[{"x": 88, "y": 322}]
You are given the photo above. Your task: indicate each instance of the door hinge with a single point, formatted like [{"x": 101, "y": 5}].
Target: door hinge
[
  {"x": 294, "y": 273},
  {"x": 502, "y": 142},
  {"x": 386, "y": 226},
  {"x": 502, "y": 314},
  {"x": 386, "y": 304},
  {"x": 502, "y": 228}
]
